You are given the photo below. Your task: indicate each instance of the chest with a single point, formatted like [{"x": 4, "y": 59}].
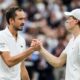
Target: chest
[
  {"x": 15, "y": 47},
  {"x": 73, "y": 56}
]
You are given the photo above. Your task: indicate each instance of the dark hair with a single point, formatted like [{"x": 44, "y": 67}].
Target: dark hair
[{"x": 11, "y": 13}]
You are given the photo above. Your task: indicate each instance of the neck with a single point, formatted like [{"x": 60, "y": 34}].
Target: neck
[
  {"x": 75, "y": 31},
  {"x": 13, "y": 31}
]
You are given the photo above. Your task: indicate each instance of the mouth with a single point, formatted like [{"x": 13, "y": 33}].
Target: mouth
[{"x": 21, "y": 27}]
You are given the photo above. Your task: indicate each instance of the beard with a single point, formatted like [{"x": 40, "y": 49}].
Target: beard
[{"x": 20, "y": 28}]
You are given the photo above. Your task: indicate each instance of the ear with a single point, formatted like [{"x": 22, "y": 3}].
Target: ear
[
  {"x": 11, "y": 20},
  {"x": 76, "y": 21}
]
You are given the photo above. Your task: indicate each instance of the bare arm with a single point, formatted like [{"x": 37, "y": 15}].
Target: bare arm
[
  {"x": 13, "y": 60},
  {"x": 24, "y": 72},
  {"x": 54, "y": 61}
]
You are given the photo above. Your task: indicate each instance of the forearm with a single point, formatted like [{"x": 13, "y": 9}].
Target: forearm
[
  {"x": 24, "y": 72},
  {"x": 54, "y": 61},
  {"x": 20, "y": 57}
]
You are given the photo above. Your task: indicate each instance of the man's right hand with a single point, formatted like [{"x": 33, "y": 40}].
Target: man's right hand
[{"x": 36, "y": 44}]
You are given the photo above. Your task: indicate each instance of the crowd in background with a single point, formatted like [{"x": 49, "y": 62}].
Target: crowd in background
[{"x": 45, "y": 21}]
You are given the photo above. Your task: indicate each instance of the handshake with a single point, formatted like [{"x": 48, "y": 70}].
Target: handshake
[{"x": 36, "y": 45}]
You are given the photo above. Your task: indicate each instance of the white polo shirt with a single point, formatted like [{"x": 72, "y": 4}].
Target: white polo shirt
[
  {"x": 73, "y": 59},
  {"x": 8, "y": 43}
]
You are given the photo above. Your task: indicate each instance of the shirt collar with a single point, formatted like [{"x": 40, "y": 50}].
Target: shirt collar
[{"x": 8, "y": 32}]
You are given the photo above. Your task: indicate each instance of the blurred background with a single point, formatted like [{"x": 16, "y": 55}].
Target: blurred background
[{"x": 45, "y": 21}]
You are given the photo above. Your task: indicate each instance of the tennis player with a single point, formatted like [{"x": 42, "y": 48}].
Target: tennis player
[
  {"x": 71, "y": 54},
  {"x": 13, "y": 48}
]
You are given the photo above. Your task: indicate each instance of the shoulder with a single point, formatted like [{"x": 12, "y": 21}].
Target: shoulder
[
  {"x": 2, "y": 33},
  {"x": 3, "y": 39}
]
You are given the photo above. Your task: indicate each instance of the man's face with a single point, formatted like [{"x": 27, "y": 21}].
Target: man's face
[
  {"x": 19, "y": 20},
  {"x": 70, "y": 23}
]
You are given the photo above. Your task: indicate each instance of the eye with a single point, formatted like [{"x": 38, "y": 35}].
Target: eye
[{"x": 20, "y": 18}]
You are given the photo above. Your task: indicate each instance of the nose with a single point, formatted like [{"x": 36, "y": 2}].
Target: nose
[
  {"x": 23, "y": 21},
  {"x": 22, "y": 24}
]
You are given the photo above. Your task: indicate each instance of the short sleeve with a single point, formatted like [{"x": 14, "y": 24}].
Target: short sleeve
[{"x": 3, "y": 44}]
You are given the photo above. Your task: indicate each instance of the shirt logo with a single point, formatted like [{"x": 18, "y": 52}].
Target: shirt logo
[{"x": 21, "y": 46}]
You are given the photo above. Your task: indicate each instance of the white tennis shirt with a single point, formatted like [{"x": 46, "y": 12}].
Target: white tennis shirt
[
  {"x": 73, "y": 59},
  {"x": 8, "y": 43}
]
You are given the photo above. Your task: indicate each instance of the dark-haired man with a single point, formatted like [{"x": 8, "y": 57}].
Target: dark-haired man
[{"x": 12, "y": 47}]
